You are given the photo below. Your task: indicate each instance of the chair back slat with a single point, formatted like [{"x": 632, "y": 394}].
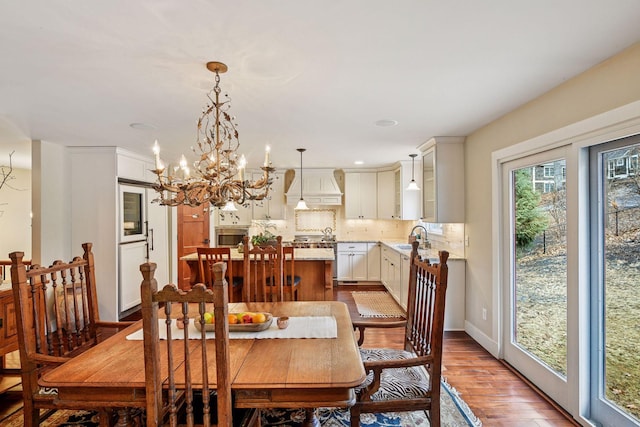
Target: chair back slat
[
  {"x": 56, "y": 316},
  {"x": 425, "y": 309},
  {"x": 207, "y": 257},
  {"x": 263, "y": 272},
  {"x": 185, "y": 377},
  {"x": 60, "y": 312},
  {"x": 290, "y": 281}
]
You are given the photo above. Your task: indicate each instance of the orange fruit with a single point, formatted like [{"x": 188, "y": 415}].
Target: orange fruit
[
  {"x": 233, "y": 319},
  {"x": 259, "y": 318}
]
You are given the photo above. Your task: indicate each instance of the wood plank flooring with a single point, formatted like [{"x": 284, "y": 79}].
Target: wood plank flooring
[{"x": 496, "y": 394}]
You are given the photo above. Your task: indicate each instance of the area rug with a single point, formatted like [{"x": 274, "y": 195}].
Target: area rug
[
  {"x": 377, "y": 304},
  {"x": 454, "y": 413},
  {"x": 61, "y": 418}
]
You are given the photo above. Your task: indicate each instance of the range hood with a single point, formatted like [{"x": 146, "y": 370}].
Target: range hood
[{"x": 319, "y": 187}]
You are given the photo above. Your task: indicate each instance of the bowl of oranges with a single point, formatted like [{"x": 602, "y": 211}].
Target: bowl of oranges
[{"x": 245, "y": 321}]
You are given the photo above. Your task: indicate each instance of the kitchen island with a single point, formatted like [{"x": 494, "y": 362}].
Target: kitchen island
[{"x": 313, "y": 265}]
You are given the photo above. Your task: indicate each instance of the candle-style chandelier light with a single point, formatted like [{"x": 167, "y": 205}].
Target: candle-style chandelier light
[{"x": 217, "y": 176}]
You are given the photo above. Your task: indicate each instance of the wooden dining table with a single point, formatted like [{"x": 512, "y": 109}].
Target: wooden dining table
[{"x": 266, "y": 373}]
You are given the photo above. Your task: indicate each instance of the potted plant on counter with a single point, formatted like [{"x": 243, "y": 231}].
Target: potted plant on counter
[{"x": 265, "y": 237}]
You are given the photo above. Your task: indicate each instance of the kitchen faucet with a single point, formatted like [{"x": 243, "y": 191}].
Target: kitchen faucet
[{"x": 425, "y": 241}]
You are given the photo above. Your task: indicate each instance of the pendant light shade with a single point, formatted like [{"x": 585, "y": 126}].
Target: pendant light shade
[
  {"x": 302, "y": 205},
  {"x": 413, "y": 186}
]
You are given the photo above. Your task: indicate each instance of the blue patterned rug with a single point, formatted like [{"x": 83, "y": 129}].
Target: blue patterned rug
[{"x": 454, "y": 413}]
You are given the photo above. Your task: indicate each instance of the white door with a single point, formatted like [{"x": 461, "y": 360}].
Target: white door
[
  {"x": 158, "y": 238},
  {"x": 534, "y": 275}
]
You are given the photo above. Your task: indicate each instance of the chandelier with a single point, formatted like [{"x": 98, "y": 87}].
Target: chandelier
[{"x": 217, "y": 176}]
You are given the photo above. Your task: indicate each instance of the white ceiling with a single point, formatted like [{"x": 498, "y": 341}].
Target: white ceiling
[{"x": 312, "y": 74}]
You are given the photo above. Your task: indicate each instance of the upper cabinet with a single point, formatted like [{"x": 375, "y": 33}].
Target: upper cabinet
[
  {"x": 386, "y": 195},
  {"x": 443, "y": 180},
  {"x": 360, "y": 189},
  {"x": 274, "y": 207},
  {"x": 407, "y": 202}
]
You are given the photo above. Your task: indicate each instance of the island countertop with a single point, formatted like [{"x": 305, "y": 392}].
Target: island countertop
[
  {"x": 313, "y": 265},
  {"x": 300, "y": 254}
]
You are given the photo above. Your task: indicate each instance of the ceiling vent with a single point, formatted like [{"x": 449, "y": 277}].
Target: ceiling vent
[{"x": 319, "y": 187}]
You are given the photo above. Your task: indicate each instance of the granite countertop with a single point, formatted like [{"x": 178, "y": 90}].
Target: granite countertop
[
  {"x": 300, "y": 254},
  {"x": 405, "y": 249}
]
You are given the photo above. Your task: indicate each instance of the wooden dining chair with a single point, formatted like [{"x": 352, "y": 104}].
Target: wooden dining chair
[
  {"x": 177, "y": 377},
  {"x": 207, "y": 258},
  {"x": 291, "y": 282},
  {"x": 263, "y": 272},
  {"x": 409, "y": 379},
  {"x": 57, "y": 318}
]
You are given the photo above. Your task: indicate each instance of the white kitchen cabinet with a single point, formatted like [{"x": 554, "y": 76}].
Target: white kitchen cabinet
[
  {"x": 391, "y": 271},
  {"x": 405, "y": 270},
  {"x": 454, "y": 311},
  {"x": 443, "y": 180},
  {"x": 360, "y": 190},
  {"x": 275, "y": 206},
  {"x": 386, "y": 195},
  {"x": 240, "y": 217},
  {"x": 373, "y": 261},
  {"x": 135, "y": 167},
  {"x": 352, "y": 261},
  {"x": 407, "y": 202}
]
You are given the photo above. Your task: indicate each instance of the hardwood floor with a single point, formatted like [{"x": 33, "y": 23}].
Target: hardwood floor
[{"x": 495, "y": 393}]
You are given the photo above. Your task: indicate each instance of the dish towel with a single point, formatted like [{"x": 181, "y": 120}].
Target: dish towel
[{"x": 299, "y": 327}]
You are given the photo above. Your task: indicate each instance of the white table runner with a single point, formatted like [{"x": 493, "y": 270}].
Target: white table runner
[{"x": 299, "y": 327}]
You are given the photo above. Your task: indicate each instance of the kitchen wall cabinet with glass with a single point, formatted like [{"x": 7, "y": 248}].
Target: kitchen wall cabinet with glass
[
  {"x": 443, "y": 180},
  {"x": 407, "y": 202},
  {"x": 360, "y": 190}
]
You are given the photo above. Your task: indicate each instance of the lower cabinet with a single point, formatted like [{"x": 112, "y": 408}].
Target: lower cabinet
[
  {"x": 390, "y": 272},
  {"x": 373, "y": 261},
  {"x": 352, "y": 261},
  {"x": 395, "y": 270},
  {"x": 359, "y": 261}
]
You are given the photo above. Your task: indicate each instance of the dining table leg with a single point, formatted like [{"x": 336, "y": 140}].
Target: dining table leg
[{"x": 311, "y": 418}]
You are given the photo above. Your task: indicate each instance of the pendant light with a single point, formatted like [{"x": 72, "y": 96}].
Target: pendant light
[
  {"x": 302, "y": 205},
  {"x": 413, "y": 186}
]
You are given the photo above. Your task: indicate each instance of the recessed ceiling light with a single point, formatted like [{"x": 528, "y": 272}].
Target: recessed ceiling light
[
  {"x": 358, "y": 162},
  {"x": 386, "y": 122},
  {"x": 142, "y": 126}
]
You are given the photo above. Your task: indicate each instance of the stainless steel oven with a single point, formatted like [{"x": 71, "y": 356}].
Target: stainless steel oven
[{"x": 230, "y": 237}]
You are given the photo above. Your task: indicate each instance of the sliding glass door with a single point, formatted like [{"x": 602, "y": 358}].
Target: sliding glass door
[
  {"x": 615, "y": 278},
  {"x": 535, "y": 285}
]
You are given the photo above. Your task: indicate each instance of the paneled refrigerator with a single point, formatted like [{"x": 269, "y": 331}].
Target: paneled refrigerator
[{"x": 143, "y": 237}]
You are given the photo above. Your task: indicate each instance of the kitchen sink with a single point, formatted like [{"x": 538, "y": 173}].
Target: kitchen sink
[{"x": 404, "y": 247}]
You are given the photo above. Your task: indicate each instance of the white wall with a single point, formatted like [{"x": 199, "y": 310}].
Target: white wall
[
  {"x": 50, "y": 203},
  {"x": 15, "y": 213},
  {"x": 609, "y": 85}
]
